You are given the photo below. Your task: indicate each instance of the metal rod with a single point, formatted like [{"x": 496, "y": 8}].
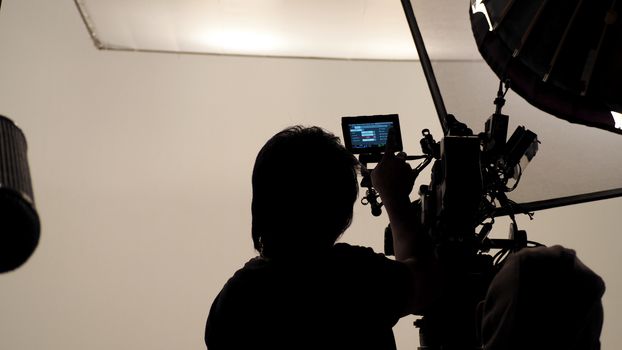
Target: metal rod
[
  {"x": 563, "y": 201},
  {"x": 426, "y": 65}
]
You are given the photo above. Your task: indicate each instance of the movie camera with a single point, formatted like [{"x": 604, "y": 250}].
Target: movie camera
[{"x": 471, "y": 174}]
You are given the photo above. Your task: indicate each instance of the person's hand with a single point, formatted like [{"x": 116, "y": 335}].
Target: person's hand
[{"x": 393, "y": 177}]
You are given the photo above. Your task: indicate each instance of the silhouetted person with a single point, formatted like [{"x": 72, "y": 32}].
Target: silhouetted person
[
  {"x": 543, "y": 298},
  {"x": 304, "y": 291}
]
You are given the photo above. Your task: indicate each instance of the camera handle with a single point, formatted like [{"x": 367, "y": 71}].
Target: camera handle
[
  {"x": 371, "y": 198},
  {"x": 371, "y": 195}
]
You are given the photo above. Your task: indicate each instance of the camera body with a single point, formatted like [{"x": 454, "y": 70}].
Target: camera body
[
  {"x": 471, "y": 177},
  {"x": 469, "y": 181},
  {"x": 450, "y": 203}
]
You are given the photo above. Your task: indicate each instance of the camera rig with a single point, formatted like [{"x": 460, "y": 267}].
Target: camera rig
[{"x": 470, "y": 178}]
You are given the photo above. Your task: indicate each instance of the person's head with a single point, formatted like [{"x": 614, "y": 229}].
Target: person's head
[
  {"x": 304, "y": 188},
  {"x": 543, "y": 298}
]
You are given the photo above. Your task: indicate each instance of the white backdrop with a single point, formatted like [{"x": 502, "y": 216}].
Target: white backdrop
[{"x": 141, "y": 167}]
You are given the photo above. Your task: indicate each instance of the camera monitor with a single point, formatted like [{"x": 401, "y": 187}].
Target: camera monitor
[{"x": 369, "y": 134}]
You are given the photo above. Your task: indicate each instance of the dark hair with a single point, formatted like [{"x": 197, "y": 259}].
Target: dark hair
[{"x": 304, "y": 188}]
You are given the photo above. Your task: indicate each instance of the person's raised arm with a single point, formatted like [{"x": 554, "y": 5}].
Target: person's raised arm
[{"x": 394, "y": 179}]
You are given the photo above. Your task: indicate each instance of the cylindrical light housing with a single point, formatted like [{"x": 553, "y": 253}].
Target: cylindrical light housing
[{"x": 19, "y": 221}]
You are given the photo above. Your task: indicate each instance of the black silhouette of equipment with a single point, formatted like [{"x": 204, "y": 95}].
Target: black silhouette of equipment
[{"x": 19, "y": 221}]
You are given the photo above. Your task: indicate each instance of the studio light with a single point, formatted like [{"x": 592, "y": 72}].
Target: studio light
[
  {"x": 19, "y": 221},
  {"x": 562, "y": 56}
]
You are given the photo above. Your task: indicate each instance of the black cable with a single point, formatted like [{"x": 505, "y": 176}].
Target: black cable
[
  {"x": 500, "y": 257},
  {"x": 419, "y": 168}
]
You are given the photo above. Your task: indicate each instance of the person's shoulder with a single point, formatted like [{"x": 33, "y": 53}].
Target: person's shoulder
[
  {"x": 252, "y": 267},
  {"x": 254, "y": 264},
  {"x": 250, "y": 272}
]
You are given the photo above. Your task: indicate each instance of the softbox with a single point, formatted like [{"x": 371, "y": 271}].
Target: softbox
[
  {"x": 19, "y": 221},
  {"x": 562, "y": 56}
]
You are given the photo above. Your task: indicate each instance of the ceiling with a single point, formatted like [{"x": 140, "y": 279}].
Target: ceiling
[
  {"x": 356, "y": 30},
  {"x": 345, "y": 29}
]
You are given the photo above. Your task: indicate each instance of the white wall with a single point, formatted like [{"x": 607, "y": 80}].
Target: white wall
[{"x": 141, "y": 167}]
